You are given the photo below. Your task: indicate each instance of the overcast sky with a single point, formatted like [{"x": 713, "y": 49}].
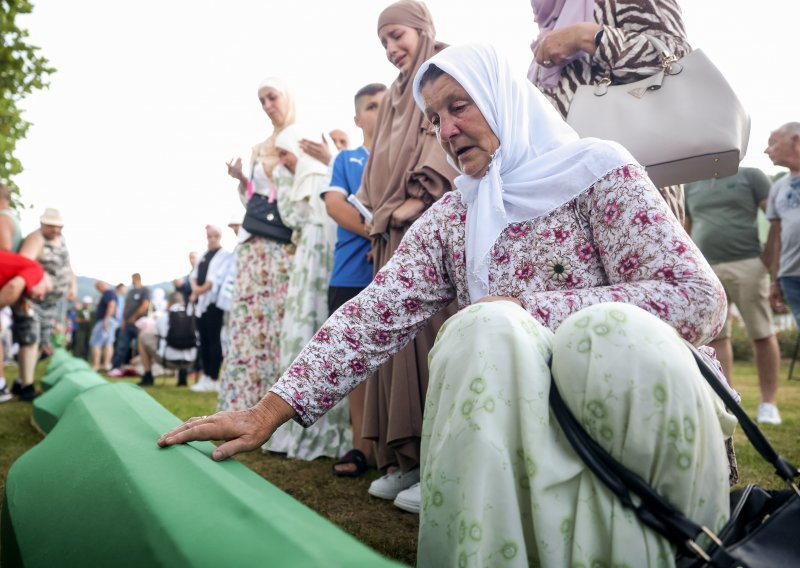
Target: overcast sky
[{"x": 151, "y": 98}]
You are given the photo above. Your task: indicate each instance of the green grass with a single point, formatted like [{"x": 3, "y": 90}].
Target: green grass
[{"x": 345, "y": 501}]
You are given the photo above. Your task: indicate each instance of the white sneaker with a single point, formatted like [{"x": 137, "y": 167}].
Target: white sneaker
[
  {"x": 768, "y": 414},
  {"x": 388, "y": 486},
  {"x": 409, "y": 499},
  {"x": 205, "y": 384}
]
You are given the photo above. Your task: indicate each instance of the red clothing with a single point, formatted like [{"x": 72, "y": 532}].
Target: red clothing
[{"x": 13, "y": 264}]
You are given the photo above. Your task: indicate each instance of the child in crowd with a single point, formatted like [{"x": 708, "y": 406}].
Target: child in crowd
[{"x": 352, "y": 266}]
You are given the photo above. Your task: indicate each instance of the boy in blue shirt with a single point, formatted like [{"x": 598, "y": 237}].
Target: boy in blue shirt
[{"x": 352, "y": 269}]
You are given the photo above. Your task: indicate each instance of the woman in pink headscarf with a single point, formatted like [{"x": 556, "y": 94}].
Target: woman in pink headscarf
[{"x": 583, "y": 41}]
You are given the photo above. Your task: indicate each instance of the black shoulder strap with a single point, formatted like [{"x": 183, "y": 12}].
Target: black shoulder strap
[
  {"x": 783, "y": 468},
  {"x": 653, "y": 510}
]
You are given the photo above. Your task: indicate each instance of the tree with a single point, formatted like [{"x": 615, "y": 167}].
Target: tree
[{"x": 22, "y": 70}]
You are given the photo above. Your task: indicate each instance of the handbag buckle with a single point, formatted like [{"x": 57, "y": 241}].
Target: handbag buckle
[
  {"x": 710, "y": 534},
  {"x": 670, "y": 64},
  {"x": 698, "y": 550},
  {"x": 601, "y": 88}
]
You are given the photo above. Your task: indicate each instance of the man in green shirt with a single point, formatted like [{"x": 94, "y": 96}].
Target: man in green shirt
[{"x": 722, "y": 218}]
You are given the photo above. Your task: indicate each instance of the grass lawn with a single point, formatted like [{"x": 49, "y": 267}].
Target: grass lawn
[{"x": 345, "y": 501}]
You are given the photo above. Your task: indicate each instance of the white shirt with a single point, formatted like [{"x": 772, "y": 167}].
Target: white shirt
[{"x": 215, "y": 274}]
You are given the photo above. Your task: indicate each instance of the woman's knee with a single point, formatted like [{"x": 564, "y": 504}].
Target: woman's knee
[
  {"x": 611, "y": 330},
  {"x": 615, "y": 351},
  {"x": 499, "y": 326},
  {"x": 480, "y": 320}
]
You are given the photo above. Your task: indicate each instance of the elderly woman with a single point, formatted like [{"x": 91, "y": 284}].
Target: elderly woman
[{"x": 569, "y": 268}]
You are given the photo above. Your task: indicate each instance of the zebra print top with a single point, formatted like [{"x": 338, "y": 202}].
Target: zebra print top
[{"x": 624, "y": 54}]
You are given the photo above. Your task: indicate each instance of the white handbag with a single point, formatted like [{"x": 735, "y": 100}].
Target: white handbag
[{"x": 684, "y": 123}]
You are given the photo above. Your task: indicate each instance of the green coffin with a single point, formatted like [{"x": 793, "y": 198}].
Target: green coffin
[
  {"x": 52, "y": 377},
  {"x": 50, "y": 406},
  {"x": 58, "y": 357},
  {"x": 97, "y": 491}
]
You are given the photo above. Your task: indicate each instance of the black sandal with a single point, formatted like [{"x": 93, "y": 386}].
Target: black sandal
[{"x": 355, "y": 457}]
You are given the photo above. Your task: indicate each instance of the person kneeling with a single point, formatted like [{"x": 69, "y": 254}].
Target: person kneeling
[{"x": 569, "y": 269}]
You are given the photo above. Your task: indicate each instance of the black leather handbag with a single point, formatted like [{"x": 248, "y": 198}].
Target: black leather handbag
[
  {"x": 763, "y": 527},
  {"x": 263, "y": 219}
]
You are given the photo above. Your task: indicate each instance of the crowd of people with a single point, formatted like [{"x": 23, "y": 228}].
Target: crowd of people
[{"x": 406, "y": 304}]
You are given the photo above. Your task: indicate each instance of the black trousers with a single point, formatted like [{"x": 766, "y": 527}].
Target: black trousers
[
  {"x": 209, "y": 325},
  {"x": 338, "y": 295}
]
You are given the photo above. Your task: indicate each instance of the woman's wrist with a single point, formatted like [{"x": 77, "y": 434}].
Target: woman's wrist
[
  {"x": 588, "y": 37},
  {"x": 272, "y": 411}
]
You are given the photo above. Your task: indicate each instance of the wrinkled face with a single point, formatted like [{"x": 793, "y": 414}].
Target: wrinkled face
[
  {"x": 274, "y": 104},
  {"x": 782, "y": 149},
  {"x": 50, "y": 232},
  {"x": 460, "y": 127},
  {"x": 367, "y": 113},
  {"x": 400, "y": 43},
  {"x": 340, "y": 139},
  {"x": 288, "y": 159}
]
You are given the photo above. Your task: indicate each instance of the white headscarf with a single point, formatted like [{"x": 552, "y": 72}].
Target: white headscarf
[
  {"x": 541, "y": 163},
  {"x": 289, "y": 140}
]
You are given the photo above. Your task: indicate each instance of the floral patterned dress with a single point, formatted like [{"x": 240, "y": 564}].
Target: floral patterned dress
[
  {"x": 617, "y": 242},
  {"x": 306, "y": 308},
  {"x": 252, "y": 360},
  {"x": 488, "y": 433}
]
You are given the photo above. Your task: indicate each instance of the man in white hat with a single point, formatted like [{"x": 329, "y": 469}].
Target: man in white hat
[{"x": 34, "y": 328}]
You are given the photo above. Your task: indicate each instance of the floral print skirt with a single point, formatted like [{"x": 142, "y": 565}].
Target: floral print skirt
[
  {"x": 306, "y": 310},
  {"x": 501, "y": 486},
  {"x": 252, "y": 360}
]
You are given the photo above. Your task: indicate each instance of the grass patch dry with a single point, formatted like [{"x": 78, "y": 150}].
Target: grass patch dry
[{"x": 345, "y": 502}]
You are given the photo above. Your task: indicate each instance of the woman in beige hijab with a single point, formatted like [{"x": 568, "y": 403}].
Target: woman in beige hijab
[
  {"x": 407, "y": 171},
  {"x": 253, "y": 358}
]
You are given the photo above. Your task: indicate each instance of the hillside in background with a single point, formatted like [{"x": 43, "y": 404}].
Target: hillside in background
[{"x": 86, "y": 287}]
